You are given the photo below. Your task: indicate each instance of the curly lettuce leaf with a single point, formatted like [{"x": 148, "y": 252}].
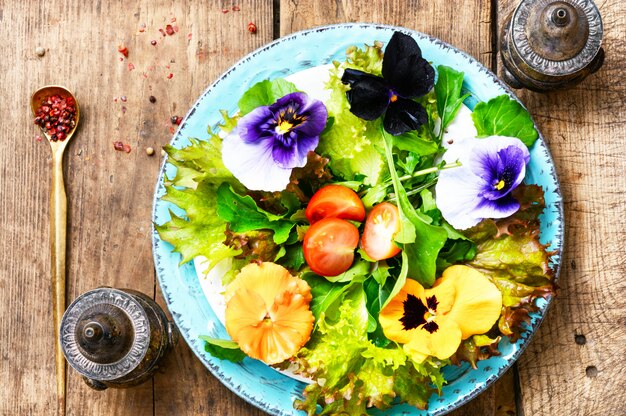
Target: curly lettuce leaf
[
  {"x": 199, "y": 172},
  {"x": 352, "y": 144},
  {"x": 265, "y": 92},
  {"x": 505, "y": 117},
  {"x": 352, "y": 373}
]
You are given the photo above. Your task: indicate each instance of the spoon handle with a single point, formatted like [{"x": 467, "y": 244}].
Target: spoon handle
[{"x": 58, "y": 224}]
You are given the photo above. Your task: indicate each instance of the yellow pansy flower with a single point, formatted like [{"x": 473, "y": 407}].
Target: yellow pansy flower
[{"x": 433, "y": 322}]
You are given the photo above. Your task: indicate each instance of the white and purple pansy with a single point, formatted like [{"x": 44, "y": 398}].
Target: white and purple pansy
[
  {"x": 270, "y": 141},
  {"x": 481, "y": 188}
]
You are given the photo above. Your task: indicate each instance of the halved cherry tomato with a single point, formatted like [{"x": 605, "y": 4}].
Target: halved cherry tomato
[
  {"x": 335, "y": 201},
  {"x": 329, "y": 246},
  {"x": 382, "y": 224}
]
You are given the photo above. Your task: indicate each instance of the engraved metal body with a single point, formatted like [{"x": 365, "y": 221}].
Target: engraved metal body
[
  {"x": 115, "y": 338},
  {"x": 548, "y": 45}
]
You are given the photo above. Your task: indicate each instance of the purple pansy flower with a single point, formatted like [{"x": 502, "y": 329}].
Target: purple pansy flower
[
  {"x": 272, "y": 140},
  {"x": 481, "y": 188}
]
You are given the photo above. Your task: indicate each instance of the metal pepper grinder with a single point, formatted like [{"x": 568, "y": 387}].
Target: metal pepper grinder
[
  {"x": 548, "y": 45},
  {"x": 115, "y": 337}
]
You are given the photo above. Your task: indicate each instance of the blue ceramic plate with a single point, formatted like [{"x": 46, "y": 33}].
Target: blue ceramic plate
[{"x": 252, "y": 380}]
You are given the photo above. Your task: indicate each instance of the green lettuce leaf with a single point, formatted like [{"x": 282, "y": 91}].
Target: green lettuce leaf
[
  {"x": 264, "y": 93},
  {"x": 352, "y": 144},
  {"x": 243, "y": 214},
  {"x": 505, "y": 117},
  {"x": 448, "y": 91},
  {"x": 199, "y": 172},
  {"x": 352, "y": 373},
  {"x": 223, "y": 349}
]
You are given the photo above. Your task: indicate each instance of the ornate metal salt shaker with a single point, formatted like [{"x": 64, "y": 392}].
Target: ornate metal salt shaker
[
  {"x": 115, "y": 338},
  {"x": 548, "y": 45}
]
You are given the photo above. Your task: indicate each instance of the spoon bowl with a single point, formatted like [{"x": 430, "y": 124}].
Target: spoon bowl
[
  {"x": 42, "y": 94},
  {"x": 58, "y": 228}
]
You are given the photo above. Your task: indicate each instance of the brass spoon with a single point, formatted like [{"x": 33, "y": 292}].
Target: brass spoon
[{"x": 58, "y": 224}]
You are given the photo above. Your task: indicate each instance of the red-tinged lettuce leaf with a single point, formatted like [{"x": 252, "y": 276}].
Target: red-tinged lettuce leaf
[
  {"x": 510, "y": 253},
  {"x": 352, "y": 373},
  {"x": 257, "y": 245},
  {"x": 305, "y": 181},
  {"x": 476, "y": 348}
]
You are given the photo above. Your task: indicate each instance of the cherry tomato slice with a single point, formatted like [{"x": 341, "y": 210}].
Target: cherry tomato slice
[
  {"x": 329, "y": 246},
  {"x": 382, "y": 224},
  {"x": 335, "y": 201}
]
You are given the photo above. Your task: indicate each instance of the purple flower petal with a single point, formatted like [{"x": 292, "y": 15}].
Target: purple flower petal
[
  {"x": 272, "y": 140},
  {"x": 480, "y": 188},
  {"x": 253, "y": 164},
  {"x": 290, "y": 150},
  {"x": 256, "y": 125},
  {"x": 500, "y": 208}
]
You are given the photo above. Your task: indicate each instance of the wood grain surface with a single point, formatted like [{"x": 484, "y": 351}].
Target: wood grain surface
[{"x": 574, "y": 366}]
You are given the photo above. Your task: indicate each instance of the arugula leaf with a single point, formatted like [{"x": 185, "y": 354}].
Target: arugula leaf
[
  {"x": 293, "y": 258},
  {"x": 325, "y": 294},
  {"x": 264, "y": 93},
  {"x": 505, "y": 117},
  {"x": 448, "y": 91},
  {"x": 376, "y": 295},
  {"x": 243, "y": 214},
  {"x": 421, "y": 241},
  {"x": 416, "y": 143},
  {"x": 359, "y": 268},
  {"x": 223, "y": 349}
]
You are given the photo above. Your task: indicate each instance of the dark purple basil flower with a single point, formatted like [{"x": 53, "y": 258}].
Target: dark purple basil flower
[
  {"x": 272, "y": 140},
  {"x": 481, "y": 188},
  {"x": 406, "y": 75}
]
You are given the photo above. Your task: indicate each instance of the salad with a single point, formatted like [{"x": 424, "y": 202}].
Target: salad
[{"x": 367, "y": 239}]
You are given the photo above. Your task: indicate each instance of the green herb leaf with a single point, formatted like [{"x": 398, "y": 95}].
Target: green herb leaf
[
  {"x": 359, "y": 268},
  {"x": 223, "y": 349},
  {"x": 421, "y": 241},
  {"x": 416, "y": 142},
  {"x": 325, "y": 295},
  {"x": 243, "y": 214},
  {"x": 264, "y": 93},
  {"x": 505, "y": 117},
  {"x": 448, "y": 91},
  {"x": 293, "y": 258}
]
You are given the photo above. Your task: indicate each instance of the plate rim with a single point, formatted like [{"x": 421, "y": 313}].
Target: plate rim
[{"x": 557, "y": 265}]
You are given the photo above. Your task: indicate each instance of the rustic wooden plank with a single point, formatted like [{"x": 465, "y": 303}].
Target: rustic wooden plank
[
  {"x": 436, "y": 18},
  {"x": 575, "y": 364}
]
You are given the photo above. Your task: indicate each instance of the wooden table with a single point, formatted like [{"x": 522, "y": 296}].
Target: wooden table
[{"x": 574, "y": 365}]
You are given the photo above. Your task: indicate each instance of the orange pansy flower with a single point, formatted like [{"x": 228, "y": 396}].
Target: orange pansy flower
[
  {"x": 267, "y": 312},
  {"x": 432, "y": 322}
]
